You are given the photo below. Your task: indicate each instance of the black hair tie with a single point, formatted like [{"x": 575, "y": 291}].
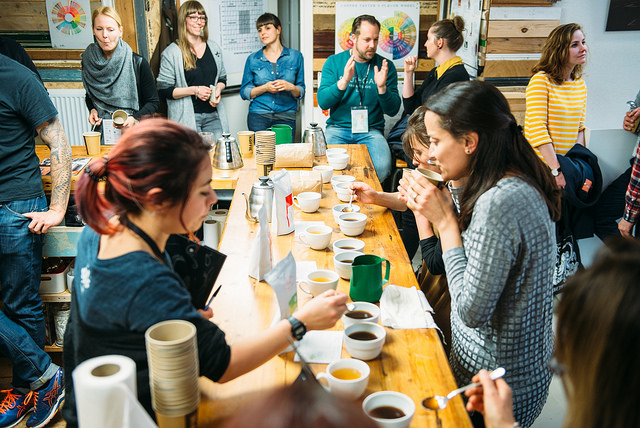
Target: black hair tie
[{"x": 95, "y": 177}]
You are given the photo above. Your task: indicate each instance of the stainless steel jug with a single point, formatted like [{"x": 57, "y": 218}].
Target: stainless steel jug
[
  {"x": 315, "y": 136},
  {"x": 261, "y": 194},
  {"x": 227, "y": 153}
]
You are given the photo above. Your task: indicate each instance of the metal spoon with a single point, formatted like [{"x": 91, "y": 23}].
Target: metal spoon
[
  {"x": 438, "y": 402},
  {"x": 351, "y": 307},
  {"x": 350, "y": 202}
]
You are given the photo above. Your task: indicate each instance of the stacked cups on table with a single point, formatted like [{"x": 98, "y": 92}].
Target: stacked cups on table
[
  {"x": 265, "y": 151},
  {"x": 172, "y": 354}
]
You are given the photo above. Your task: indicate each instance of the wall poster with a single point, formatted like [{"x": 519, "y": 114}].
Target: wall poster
[{"x": 69, "y": 23}]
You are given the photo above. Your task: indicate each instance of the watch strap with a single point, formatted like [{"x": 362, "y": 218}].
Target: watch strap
[{"x": 298, "y": 329}]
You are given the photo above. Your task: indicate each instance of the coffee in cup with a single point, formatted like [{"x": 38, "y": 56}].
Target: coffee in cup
[
  {"x": 318, "y": 236},
  {"x": 347, "y": 378},
  {"x": 319, "y": 281}
]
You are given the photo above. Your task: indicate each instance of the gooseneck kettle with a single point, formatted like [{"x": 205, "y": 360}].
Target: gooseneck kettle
[
  {"x": 227, "y": 153},
  {"x": 315, "y": 136}
]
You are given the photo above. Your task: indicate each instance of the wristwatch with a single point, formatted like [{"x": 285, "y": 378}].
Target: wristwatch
[
  {"x": 298, "y": 329},
  {"x": 556, "y": 172}
]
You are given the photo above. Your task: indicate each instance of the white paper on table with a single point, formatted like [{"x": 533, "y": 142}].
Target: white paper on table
[
  {"x": 302, "y": 226},
  {"x": 304, "y": 268},
  {"x": 320, "y": 346},
  {"x": 405, "y": 308}
]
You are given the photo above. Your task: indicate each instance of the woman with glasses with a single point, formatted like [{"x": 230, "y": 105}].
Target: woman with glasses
[
  {"x": 192, "y": 75},
  {"x": 114, "y": 77},
  {"x": 597, "y": 347},
  {"x": 273, "y": 79}
]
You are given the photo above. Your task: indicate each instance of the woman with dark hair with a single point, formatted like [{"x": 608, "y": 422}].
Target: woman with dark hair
[
  {"x": 556, "y": 97},
  {"x": 273, "y": 79},
  {"x": 192, "y": 75},
  {"x": 115, "y": 77},
  {"x": 597, "y": 344},
  {"x": 499, "y": 252},
  {"x": 155, "y": 182}
]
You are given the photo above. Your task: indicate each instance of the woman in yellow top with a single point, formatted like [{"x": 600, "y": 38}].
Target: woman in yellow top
[{"x": 556, "y": 97}]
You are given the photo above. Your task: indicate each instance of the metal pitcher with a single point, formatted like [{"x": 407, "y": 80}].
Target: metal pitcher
[
  {"x": 315, "y": 136},
  {"x": 261, "y": 194},
  {"x": 227, "y": 153}
]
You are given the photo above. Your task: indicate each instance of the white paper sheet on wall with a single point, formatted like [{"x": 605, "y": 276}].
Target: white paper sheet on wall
[{"x": 69, "y": 23}]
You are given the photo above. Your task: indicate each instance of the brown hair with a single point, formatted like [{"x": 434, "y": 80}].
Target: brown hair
[
  {"x": 479, "y": 107},
  {"x": 106, "y": 11},
  {"x": 450, "y": 30},
  {"x": 186, "y": 9},
  {"x": 416, "y": 131},
  {"x": 156, "y": 153},
  {"x": 355, "y": 27},
  {"x": 555, "y": 53},
  {"x": 598, "y": 339},
  {"x": 269, "y": 19}
]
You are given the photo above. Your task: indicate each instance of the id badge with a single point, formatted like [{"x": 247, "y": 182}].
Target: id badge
[{"x": 359, "y": 120}]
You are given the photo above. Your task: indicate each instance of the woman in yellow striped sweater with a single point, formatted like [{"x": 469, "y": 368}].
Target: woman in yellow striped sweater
[{"x": 556, "y": 97}]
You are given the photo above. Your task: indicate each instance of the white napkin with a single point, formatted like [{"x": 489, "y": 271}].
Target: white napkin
[
  {"x": 405, "y": 308},
  {"x": 320, "y": 346}
]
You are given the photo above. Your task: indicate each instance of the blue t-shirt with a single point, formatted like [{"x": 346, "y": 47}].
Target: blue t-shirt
[{"x": 24, "y": 105}]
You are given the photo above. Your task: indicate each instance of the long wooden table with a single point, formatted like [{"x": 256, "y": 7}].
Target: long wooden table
[{"x": 412, "y": 361}]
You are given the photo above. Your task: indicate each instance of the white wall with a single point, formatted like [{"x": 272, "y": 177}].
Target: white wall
[{"x": 612, "y": 72}]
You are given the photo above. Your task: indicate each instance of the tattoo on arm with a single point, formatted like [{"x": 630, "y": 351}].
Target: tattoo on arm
[{"x": 53, "y": 136}]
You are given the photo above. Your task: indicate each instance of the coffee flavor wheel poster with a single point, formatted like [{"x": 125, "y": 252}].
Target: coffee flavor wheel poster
[{"x": 69, "y": 23}]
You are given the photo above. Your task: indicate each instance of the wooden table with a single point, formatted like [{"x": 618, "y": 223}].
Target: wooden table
[
  {"x": 43, "y": 152},
  {"x": 412, "y": 361}
]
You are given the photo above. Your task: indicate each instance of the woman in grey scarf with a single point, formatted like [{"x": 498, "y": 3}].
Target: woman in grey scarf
[{"x": 115, "y": 77}]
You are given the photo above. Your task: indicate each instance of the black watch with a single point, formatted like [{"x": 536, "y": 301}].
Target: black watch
[
  {"x": 298, "y": 329},
  {"x": 556, "y": 172}
]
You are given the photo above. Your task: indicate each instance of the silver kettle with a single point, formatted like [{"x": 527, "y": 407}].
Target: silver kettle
[
  {"x": 315, "y": 136},
  {"x": 227, "y": 153},
  {"x": 261, "y": 195}
]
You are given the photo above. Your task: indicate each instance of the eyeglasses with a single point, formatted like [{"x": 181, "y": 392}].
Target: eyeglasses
[{"x": 196, "y": 18}]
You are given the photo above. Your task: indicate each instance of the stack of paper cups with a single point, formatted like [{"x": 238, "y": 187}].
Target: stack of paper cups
[
  {"x": 106, "y": 397},
  {"x": 265, "y": 152},
  {"x": 246, "y": 141},
  {"x": 211, "y": 233},
  {"x": 172, "y": 353}
]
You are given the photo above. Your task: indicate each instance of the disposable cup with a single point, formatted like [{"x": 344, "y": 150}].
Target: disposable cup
[{"x": 92, "y": 142}]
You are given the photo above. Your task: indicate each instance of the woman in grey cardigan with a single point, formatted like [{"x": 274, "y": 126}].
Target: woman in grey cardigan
[
  {"x": 192, "y": 75},
  {"x": 499, "y": 253}
]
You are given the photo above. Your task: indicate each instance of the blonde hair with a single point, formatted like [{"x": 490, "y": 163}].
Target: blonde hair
[
  {"x": 187, "y": 8},
  {"x": 106, "y": 11},
  {"x": 555, "y": 53}
]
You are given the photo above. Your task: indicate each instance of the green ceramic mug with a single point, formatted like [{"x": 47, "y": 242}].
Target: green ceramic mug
[
  {"x": 367, "y": 279},
  {"x": 283, "y": 133}
]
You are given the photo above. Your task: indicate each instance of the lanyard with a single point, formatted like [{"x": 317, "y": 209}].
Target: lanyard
[
  {"x": 146, "y": 238},
  {"x": 364, "y": 82}
]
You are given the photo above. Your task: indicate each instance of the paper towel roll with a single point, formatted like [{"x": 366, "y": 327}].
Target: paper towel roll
[
  {"x": 221, "y": 217},
  {"x": 106, "y": 397},
  {"x": 211, "y": 234}
]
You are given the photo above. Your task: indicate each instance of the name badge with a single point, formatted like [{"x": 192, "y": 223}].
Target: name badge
[{"x": 359, "y": 120}]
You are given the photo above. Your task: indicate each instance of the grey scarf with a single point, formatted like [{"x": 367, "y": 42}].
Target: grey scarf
[{"x": 110, "y": 83}]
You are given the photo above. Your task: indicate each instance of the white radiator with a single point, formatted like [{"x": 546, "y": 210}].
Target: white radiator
[{"x": 72, "y": 112}]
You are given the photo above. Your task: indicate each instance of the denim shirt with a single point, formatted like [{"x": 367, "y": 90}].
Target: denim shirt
[{"x": 258, "y": 71}]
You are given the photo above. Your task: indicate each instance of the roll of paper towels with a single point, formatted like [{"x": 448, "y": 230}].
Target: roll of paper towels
[
  {"x": 211, "y": 234},
  {"x": 106, "y": 394},
  {"x": 220, "y": 216}
]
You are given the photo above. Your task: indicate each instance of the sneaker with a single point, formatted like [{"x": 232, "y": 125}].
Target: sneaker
[
  {"x": 47, "y": 401},
  {"x": 15, "y": 407}
]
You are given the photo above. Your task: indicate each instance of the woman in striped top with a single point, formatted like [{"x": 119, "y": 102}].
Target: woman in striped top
[{"x": 556, "y": 97}]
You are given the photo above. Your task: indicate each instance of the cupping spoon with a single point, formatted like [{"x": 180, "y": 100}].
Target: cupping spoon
[{"x": 438, "y": 402}]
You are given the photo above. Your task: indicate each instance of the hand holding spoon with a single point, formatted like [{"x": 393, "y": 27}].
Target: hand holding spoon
[{"x": 438, "y": 402}]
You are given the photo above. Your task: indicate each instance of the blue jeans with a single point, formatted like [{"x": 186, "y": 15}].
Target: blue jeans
[
  {"x": 209, "y": 122},
  {"x": 375, "y": 141},
  {"x": 22, "y": 330},
  {"x": 257, "y": 122}
]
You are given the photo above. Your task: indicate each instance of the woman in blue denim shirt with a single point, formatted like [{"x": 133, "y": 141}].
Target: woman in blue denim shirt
[{"x": 273, "y": 79}]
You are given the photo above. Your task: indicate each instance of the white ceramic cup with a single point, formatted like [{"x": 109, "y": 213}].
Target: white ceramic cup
[
  {"x": 338, "y": 161},
  {"x": 356, "y": 316},
  {"x": 339, "y": 210},
  {"x": 394, "y": 399},
  {"x": 342, "y": 179},
  {"x": 367, "y": 349},
  {"x": 352, "y": 224},
  {"x": 326, "y": 171},
  {"x": 343, "y": 192},
  {"x": 336, "y": 151},
  {"x": 342, "y": 262},
  {"x": 317, "y": 237},
  {"x": 348, "y": 244},
  {"x": 347, "y": 378},
  {"x": 319, "y": 281},
  {"x": 308, "y": 202}
]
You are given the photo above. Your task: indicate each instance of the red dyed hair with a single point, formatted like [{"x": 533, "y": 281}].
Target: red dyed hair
[{"x": 156, "y": 153}]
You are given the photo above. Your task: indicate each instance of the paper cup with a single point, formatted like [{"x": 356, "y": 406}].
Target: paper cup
[
  {"x": 92, "y": 142},
  {"x": 246, "y": 142}
]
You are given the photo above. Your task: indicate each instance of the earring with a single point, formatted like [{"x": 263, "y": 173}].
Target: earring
[{"x": 468, "y": 151}]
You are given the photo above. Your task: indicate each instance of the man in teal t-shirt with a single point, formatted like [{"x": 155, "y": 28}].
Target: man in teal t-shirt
[{"x": 359, "y": 87}]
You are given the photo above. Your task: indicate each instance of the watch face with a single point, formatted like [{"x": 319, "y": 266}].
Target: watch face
[{"x": 555, "y": 172}]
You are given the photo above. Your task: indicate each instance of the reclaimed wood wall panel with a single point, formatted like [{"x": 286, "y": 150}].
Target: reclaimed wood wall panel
[
  {"x": 500, "y": 68},
  {"x": 23, "y": 16},
  {"x": 515, "y": 44},
  {"x": 521, "y": 28},
  {"x": 523, "y": 2}
]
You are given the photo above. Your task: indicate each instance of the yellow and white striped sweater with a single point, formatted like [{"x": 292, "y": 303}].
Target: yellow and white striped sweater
[{"x": 555, "y": 113}]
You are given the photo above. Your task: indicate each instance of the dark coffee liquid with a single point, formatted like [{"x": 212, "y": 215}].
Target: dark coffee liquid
[
  {"x": 348, "y": 248},
  {"x": 359, "y": 315},
  {"x": 363, "y": 335},
  {"x": 386, "y": 412}
]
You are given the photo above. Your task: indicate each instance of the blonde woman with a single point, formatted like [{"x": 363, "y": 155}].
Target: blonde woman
[{"x": 192, "y": 75}]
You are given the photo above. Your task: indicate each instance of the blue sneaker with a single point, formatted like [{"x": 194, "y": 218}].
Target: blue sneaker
[
  {"x": 15, "y": 407},
  {"x": 47, "y": 401}
]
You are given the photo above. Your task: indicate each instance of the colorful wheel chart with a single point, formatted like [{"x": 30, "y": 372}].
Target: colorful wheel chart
[
  {"x": 343, "y": 32},
  {"x": 398, "y": 35},
  {"x": 69, "y": 19}
]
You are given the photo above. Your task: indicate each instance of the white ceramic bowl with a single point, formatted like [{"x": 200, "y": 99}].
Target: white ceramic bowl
[
  {"x": 365, "y": 349},
  {"x": 326, "y": 171},
  {"x": 342, "y": 179},
  {"x": 352, "y": 224},
  {"x": 338, "y": 209},
  {"x": 336, "y": 151},
  {"x": 348, "y": 244},
  {"x": 373, "y": 310},
  {"x": 342, "y": 262},
  {"x": 390, "y": 399},
  {"x": 343, "y": 192},
  {"x": 338, "y": 162}
]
